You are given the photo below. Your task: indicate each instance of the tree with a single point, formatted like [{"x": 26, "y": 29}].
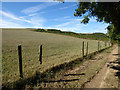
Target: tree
[
  {"x": 111, "y": 33},
  {"x": 108, "y": 12}
]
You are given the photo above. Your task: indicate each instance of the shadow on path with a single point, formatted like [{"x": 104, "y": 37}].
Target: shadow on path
[
  {"x": 74, "y": 74},
  {"x": 116, "y": 66},
  {"x": 53, "y": 81},
  {"x": 116, "y": 54}
]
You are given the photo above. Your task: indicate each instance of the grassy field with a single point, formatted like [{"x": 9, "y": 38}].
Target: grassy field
[{"x": 57, "y": 49}]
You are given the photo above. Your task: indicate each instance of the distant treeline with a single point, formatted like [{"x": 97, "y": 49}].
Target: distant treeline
[{"x": 93, "y": 36}]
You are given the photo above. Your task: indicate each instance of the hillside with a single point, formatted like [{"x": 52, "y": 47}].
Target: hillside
[
  {"x": 94, "y": 36},
  {"x": 57, "y": 49}
]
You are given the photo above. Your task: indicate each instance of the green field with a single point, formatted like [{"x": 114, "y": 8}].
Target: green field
[{"x": 57, "y": 49}]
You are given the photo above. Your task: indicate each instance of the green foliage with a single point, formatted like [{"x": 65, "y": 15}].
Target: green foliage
[
  {"x": 111, "y": 32},
  {"x": 94, "y": 36},
  {"x": 108, "y": 12}
]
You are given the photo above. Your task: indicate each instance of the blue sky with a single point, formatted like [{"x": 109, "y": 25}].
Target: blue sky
[{"x": 46, "y": 15}]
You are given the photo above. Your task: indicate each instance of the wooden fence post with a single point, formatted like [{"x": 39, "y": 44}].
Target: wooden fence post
[
  {"x": 87, "y": 49},
  {"x": 98, "y": 45},
  {"x": 40, "y": 58},
  {"x": 83, "y": 49},
  {"x": 20, "y": 60},
  {"x": 105, "y": 44}
]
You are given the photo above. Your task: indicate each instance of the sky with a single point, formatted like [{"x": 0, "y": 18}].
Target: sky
[{"x": 47, "y": 15}]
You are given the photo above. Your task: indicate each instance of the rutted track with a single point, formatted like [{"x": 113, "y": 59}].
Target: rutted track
[{"x": 106, "y": 77}]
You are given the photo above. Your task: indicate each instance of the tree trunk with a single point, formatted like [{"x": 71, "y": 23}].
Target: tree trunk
[{"x": 119, "y": 48}]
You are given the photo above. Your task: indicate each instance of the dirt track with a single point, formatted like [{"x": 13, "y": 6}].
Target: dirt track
[
  {"x": 106, "y": 77},
  {"x": 95, "y": 72}
]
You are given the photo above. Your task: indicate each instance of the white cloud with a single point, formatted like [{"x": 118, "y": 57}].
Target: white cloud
[
  {"x": 9, "y": 24},
  {"x": 61, "y": 28},
  {"x": 10, "y": 20},
  {"x": 73, "y": 25},
  {"x": 75, "y": 19},
  {"x": 38, "y": 7},
  {"x": 69, "y": 21},
  {"x": 93, "y": 20},
  {"x": 67, "y": 17},
  {"x": 37, "y": 21},
  {"x": 33, "y": 14},
  {"x": 64, "y": 24},
  {"x": 12, "y": 16},
  {"x": 64, "y": 8},
  {"x": 9, "y": 15},
  {"x": 67, "y": 6}
]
